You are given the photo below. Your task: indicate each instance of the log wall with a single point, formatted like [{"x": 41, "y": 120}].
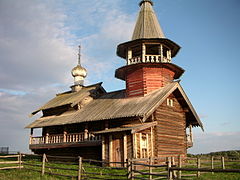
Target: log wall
[
  {"x": 170, "y": 132},
  {"x": 146, "y": 79}
]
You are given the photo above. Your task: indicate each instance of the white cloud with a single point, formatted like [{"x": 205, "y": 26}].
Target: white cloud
[
  {"x": 215, "y": 141},
  {"x": 37, "y": 54},
  {"x": 33, "y": 45}
]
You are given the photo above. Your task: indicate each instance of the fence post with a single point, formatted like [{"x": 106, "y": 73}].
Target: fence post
[
  {"x": 198, "y": 166},
  {"x": 173, "y": 164},
  {"x": 128, "y": 169},
  {"x": 132, "y": 169},
  {"x": 79, "y": 168},
  {"x": 20, "y": 160},
  {"x": 168, "y": 168},
  {"x": 212, "y": 165},
  {"x": 150, "y": 168},
  {"x": 43, "y": 164},
  {"x": 179, "y": 165},
  {"x": 223, "y": 163}
]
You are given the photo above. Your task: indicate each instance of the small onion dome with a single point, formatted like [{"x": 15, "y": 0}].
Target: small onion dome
[{"x": 79, "y": 71}]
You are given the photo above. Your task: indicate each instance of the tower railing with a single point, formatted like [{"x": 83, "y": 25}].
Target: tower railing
[{"x": 149, "y": 59}]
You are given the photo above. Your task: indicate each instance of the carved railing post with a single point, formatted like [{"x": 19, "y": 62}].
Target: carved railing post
[
  {"x": 47, "y": 138},
  {"x": 64, "y": 136},
  {"x": 86, "y": 134}
]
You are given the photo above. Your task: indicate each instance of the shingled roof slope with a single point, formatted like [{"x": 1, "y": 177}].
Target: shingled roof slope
[
  {"x": 113, "y": 105},
  {"x": 147, "y": 25},
  {"x": 71, "y": 98}
]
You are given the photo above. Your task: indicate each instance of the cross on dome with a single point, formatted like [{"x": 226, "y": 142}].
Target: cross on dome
[{"x": 78, "y": 72}]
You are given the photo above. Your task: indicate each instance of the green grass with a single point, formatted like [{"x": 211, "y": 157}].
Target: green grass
[
  {"x": 23, "y": 174},
  {"x": 219, "y": 176}
]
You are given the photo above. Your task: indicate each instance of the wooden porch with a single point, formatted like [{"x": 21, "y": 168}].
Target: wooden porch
[{"x": 64, "y": 140}]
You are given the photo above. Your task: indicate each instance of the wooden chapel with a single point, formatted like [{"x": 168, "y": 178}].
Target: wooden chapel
[{"x": 152, "y": 117}]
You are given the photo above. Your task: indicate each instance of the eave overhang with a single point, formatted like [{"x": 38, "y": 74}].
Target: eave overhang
[{"x": 121, "y": 72}]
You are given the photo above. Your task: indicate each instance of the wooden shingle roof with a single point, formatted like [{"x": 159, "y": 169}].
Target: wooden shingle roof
[
  {"x": 114, "y": 105},
  {"x": 147, "y": 25},
  {"x": 69, "y": 98}
]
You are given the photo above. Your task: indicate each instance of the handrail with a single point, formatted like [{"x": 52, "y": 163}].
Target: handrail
[
  {"x": 149, "y": 59},
  {"x": 64, "y": 138}
]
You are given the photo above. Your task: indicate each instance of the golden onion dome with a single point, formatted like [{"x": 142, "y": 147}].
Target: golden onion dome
[{"x": 79, "y": 71}]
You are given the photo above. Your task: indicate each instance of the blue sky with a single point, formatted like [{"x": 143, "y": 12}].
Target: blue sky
[{"x": 38, "y": 47}]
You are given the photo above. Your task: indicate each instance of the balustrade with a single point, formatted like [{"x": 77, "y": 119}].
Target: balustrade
[
  {"x": 149, "y": 59},
  {"x": 64, "y": 138}
]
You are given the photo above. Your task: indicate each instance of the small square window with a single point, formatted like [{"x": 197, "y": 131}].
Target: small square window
[{"x": 170, "y": 102}]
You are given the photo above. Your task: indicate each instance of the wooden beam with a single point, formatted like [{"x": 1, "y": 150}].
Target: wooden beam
[
  {"x": 147, "y": 144},
  {"x": 143, "y": 52},
  {"x": 140, "y": 144},
  {"x": 125, "y": 148},
  {"x": 152, "y": 147},
  {"x": 103, "y": 148},
  {"x": 134, "y": 145},
  {"x": 110, "y": 148}
]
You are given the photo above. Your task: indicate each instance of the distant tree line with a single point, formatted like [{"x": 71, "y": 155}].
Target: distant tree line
[{"x": 234, "y": 154}]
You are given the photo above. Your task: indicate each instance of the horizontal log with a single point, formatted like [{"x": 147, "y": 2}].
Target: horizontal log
[
  {"x": 99, "y": 167},
  {"x": 13, "y": 167},
  {"x": 11, "y": 156},
  {"x": 141, "y": 164},
  {"x": 170, "y": 136},
  {"x": 188, "y": 175},
  {"x": 146, "y": 173},
  {"x": 170, "y": 121},
  {"x": 10, "y": 162},
  {"x": 95, "y": 177},
  {"x": 176, "y": 133},
  {"x": 106, "y": 174},
  {"x": 170, "y": 127},
  {"x": 171, "y": 142},
  {"x": 170, "y": 148}
]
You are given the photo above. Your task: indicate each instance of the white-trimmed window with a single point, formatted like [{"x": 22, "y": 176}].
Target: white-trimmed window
[
  {"x": 144, "y": 146},
  {"x": 169, "y": 102}
]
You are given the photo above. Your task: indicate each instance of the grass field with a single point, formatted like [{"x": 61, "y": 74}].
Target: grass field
[
  {"x": 31, "y": 175},
  {"x": 24, "y": 174}
]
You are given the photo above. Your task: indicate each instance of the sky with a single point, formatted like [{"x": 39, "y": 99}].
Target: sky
[{"x": 38, "y": 48}]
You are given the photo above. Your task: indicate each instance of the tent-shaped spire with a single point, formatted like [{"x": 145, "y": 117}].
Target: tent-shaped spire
[{"x": 147, "y": 25}]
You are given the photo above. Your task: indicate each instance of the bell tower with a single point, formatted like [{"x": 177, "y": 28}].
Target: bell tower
[{"x": 148, "y": 55}]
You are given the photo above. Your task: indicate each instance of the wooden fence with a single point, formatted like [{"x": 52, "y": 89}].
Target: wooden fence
[
  {"x": 196, "y": 166},
  {"x": 11, "y": 162},
  {"x": 78, "y": 168},
  {"x": 148, "y": 168}
]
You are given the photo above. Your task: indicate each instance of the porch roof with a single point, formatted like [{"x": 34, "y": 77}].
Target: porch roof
[{"x": 133, "y": 128}]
